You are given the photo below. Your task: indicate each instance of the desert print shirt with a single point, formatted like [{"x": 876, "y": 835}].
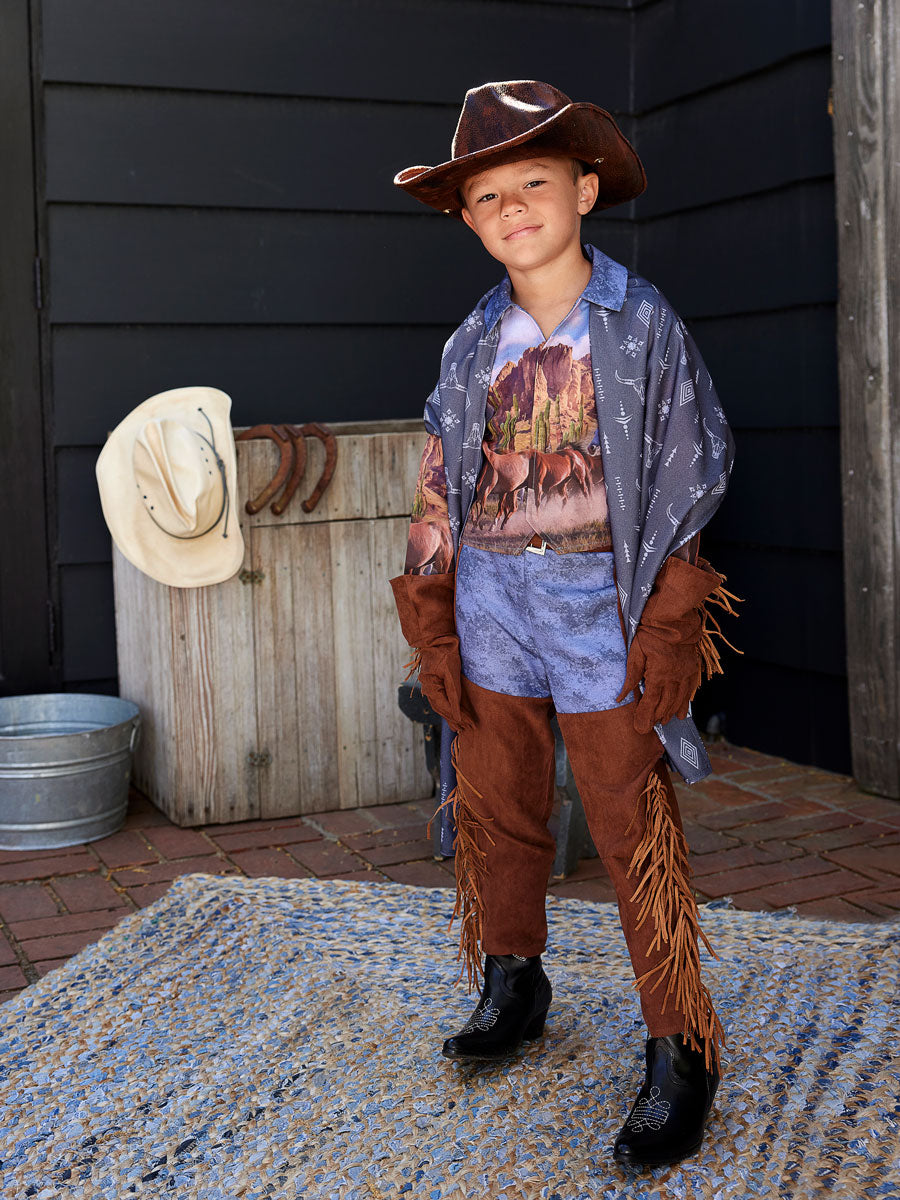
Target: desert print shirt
[{"x": 542, "y": 471}]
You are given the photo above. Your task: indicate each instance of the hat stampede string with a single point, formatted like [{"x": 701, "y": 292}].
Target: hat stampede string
[{"x": 226, "y": 498}]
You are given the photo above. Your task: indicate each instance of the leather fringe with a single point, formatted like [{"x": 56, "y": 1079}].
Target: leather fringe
[
  {"x": 709, "y": 653},
  {"x": 412, "y": 667},
  {"x": 663, "y": 856},
  {"x": 471, "y": 862}
]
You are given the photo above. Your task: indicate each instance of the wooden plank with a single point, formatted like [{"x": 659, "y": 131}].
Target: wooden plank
[
  {"x": 125, "y": 265},
  {"x": 28, "y": 661},
  {"x": 727, "y": 131},
  {"x": 779, "y": 472},
  {"x": 149, "y": 671},
  {"x": 115, "y": 264},
  {"x": 356, "y": 695},
  {"x": 215, "y": 701},
  {"x": 83, "y": 533},
  {"x": 400, "y": 743},
  {"x": 804, "y": 718},
  {"x": 866, "y": 65},
  {"x": 116, "y": 145},
  {"x": 763, "y": 576},
  {"x": 314, "y": 667},
  {"x": 396, "y": 467},
  {"x": 703, "y": 268},
  {"x": 278, "y": 707},
  {"x": 295, "y": 669},
  {"x": 255, "y": 365},
  {"x": 194, "y": 727},
  {"x": 755, "y": 36},
  {"x": 144, "y": 645},
  {"x": 773, "y": 370},
  {"x": 87, "y": 629},
  {"x": 337, "y": 47}
]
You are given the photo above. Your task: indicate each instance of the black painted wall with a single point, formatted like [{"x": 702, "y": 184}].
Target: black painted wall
[
  {"x": 219, "y": 210},
  {"x": 737, "y": 227}
]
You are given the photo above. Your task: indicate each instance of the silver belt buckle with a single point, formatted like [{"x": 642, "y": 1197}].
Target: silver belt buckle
[{"x": 541, "y": 549}]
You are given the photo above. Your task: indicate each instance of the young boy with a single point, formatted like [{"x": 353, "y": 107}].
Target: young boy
[{"x": 576, "y": 448}]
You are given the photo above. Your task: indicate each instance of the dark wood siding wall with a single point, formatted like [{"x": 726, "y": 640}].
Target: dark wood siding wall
[
  {"x": 737, "y": 228},
  {"x": 25, "y": 612},
  {"x": 219, "y": 210}
]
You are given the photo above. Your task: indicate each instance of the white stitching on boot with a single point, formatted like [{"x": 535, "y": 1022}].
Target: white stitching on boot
[
  {"x": 649, "y": 1114},
  {"x": 483, "y": 1019}
]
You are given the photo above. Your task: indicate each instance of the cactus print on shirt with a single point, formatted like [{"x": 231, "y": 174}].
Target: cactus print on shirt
[{"x": 543, "y": 472}]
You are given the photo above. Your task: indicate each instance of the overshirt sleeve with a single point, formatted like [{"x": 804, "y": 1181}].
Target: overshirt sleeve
[
  {"x": 688, "y": 445},
  {"x": 429, "y": 548}
]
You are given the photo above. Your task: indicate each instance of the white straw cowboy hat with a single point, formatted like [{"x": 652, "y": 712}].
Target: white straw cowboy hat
[{"x": 168, "y": 487}]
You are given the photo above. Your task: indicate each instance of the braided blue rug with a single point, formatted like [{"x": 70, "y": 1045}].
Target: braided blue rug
[{"x": 260, "y": 1038}]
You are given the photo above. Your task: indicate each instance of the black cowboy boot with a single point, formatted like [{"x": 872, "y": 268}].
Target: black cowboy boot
[
  {"x": 512, "y": 1009},
  {"x": 667, "y": 1120}
]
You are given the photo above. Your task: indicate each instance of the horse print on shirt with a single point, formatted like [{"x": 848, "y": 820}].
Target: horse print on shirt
[
  {"x": 429, "y": 550},
  {"x": 542, "y": 470}
]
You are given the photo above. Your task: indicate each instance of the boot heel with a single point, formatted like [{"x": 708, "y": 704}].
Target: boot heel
[{"x": 535, "y": 1027}]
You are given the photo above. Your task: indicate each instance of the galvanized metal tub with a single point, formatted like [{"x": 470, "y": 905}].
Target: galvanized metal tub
[{"x": 65, "y": 764}]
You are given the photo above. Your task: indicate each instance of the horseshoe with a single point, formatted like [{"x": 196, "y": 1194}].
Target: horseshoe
[
  {"x": 299, "y": 446},
  {"x": 285, "y": 444},
  {"x": 327, "y": 438}
]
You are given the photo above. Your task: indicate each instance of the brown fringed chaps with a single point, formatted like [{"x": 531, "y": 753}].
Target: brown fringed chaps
[
  {"x": 661, "y": 860},
  {"x": 470, "y": 866},
  {"x": 501, "y": 804}
]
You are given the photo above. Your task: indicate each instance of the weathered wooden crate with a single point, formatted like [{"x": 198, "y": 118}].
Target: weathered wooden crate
[{"x": 275, "y": 693}]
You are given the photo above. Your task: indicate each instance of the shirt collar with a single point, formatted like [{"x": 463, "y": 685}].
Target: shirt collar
[{"x": 605, "y": 287}]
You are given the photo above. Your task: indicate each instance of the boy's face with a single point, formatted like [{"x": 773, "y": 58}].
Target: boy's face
[{"x": 528, "y": 212}]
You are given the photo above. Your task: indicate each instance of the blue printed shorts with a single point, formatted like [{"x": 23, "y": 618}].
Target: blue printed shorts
[{"x": 542, "y": 625}]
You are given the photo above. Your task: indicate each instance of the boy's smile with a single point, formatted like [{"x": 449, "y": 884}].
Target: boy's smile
[
  {"x": 528, "y": 216},
  {"x": 527, "y": 213}
]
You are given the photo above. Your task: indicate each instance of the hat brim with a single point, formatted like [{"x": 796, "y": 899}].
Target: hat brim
[
  {"x": 583, "y": 131},
  {"x": 195, "y": 562}
]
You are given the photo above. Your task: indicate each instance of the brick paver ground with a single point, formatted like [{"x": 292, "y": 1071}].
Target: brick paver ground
[{"x": 767, "y": 832}]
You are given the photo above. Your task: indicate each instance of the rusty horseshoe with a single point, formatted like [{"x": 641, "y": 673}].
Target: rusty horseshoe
[
  {"x": 285, "y": 444},
  {"x": 327, "y": 438},
  {"x": 291, "y": 443}
]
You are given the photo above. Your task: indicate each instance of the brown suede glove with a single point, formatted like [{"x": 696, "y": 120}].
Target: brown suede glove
[
  {"x": 425, "y": 605},
  {"x": 665, "y": 650}
]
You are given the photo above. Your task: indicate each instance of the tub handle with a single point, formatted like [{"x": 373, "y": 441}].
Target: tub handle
[{"x": 135, "y": 735}]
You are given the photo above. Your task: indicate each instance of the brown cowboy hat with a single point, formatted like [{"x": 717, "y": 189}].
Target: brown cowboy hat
[{"x": 522, "y": 118}]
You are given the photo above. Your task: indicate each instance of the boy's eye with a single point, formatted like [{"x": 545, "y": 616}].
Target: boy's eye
[{"x": 493, "y": 195}]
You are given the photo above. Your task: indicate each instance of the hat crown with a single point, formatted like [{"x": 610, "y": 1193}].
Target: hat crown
[
  {"x": 178, "y": 476},
  {"x": 497, "y": 112}
]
